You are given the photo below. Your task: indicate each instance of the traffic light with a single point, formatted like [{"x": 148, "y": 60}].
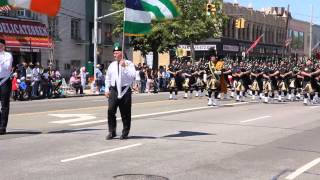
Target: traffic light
[
  {"x": 211, "y": 9},
  {"x": 240, "y": 22}
]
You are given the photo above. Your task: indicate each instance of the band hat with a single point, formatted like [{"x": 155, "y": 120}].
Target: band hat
[{"x": 117, "y": 47}]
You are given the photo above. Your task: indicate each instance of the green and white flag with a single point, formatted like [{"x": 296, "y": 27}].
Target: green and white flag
[{"x": 139, "y": 13}]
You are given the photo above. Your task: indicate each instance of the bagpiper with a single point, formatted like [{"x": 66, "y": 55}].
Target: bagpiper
[
  {"x": 173, "y": 70},
  {"x": 213, "y": 81}
]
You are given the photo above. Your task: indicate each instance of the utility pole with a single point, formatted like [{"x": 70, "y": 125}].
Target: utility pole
[
  {"x": 284, "y": 50},
  {"x": 95, "y": 38},
  {"x": 95, "y": 34},
  {"x": 310, "y": 42}
]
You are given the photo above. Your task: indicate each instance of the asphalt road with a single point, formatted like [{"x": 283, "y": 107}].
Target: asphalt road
[{"x": 177, "y": 140}]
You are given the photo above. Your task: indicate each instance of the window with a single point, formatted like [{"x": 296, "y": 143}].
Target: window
[
  {"x": 21, "y": 12},
  {"x": 297, "y": 40},
  {"x": 75, "y": 64},
  {"x": 26, "y": 14},
  {"x": 57, "y": 64},
  {"x": 108, "y": 33},
  {"x": 53, "y": 27},
  {"x": 75, "y": 29}
]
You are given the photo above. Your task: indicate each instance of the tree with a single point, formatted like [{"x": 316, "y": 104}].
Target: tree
[{"x": 192, "y": 26}]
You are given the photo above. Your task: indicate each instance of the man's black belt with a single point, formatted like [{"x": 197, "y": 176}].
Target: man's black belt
[{"x": 115, "y": 88}]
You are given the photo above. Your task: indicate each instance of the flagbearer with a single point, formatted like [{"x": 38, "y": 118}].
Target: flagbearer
[
  {"x": 120, "y": 76},
  {"x": 5, "y": 86}
]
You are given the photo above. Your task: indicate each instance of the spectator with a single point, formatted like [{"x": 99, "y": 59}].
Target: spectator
[
  {"x": 29, "y": 80},
  {"x": 99, "y": 78},
  {"x": 137, "y": 83},
  {"x": 15, "y": 86},
  {"x": 155, "y": 78},
  {"x": 36, "y": 80},
  {"x": 75, "y": 82},
  {"x": 143, "y": 79},
  {"x": 83, "y": 77},
  {"x": 149, "y": 81},
  {"x": 45, "y": 83}
]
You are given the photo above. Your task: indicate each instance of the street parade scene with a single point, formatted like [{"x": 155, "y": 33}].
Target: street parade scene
[{"x": 159, "y": 90}]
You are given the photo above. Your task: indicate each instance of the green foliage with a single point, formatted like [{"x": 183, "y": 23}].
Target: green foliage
[{"x": 192, "y": 26}]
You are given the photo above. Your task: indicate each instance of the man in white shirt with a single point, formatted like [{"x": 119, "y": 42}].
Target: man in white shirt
[
  {"x": 5, "y": 85},
  {"x": 120, "y": 76}
]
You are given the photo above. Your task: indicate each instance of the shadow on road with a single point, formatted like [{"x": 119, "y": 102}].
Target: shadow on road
[
  {"x": 73, "y": 130},
  {"x": 180, "y": 134},
  {"x": 24, "y": 132},
  {"x": 187, "y": 134}
]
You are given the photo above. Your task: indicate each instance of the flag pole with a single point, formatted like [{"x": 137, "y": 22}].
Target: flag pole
[
  {"x": 123, "y": 35},
  {"x": 95, "y": 39}
]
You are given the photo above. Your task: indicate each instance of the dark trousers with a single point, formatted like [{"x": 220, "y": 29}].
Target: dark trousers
[
  {"x": 5, "y": 92},
  {"x": 143, "y": 85},
  {"x": 124, "y": 105},
  {"x": 78, "y": 87}
]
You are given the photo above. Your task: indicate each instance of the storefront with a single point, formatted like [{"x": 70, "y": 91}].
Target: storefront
[{"x": 25, "y": 39}]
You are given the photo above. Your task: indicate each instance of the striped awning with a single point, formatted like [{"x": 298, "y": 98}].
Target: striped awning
[{"x": 25, "y": 34}]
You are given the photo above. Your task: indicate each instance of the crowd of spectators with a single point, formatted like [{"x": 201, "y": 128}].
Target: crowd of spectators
[
  {"x": 150, "y": 80},
  {"x": 32, "y": 81}
]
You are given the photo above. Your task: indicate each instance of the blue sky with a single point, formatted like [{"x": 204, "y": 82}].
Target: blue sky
[{"x": 300, "y": 9}]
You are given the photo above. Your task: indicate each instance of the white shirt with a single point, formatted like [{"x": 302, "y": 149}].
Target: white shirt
[
  {"x": 128, "y": 74},
  {"x": 5, "y": 64},
  {"x": 138, "y": 75},
  {"x": 36, "y": 74},
  {"x": 83, "y": 76}
]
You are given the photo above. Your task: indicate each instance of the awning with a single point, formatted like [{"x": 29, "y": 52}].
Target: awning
[{"x": 25, "y": 35}]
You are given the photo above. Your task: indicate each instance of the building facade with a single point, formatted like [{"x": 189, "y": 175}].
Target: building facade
[
  {"x": 271, "y": 24},
  {"x": 299, "y": 34},
  {"x": 68, "y": 31}
]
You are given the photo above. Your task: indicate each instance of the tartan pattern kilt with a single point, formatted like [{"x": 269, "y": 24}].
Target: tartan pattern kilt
[
  {"x": 172, "y": 83},
  {"x": 267, "y": 86},
  {"x": 234, "y": 84},
  {"x": 282, "y": 86},
  {"x": 308, "y": 88},
  {"x": 292, "y": 83},
  {"x": 200, "y": 82},
  {"x": 213, "y": 84},
  {"x": 240, "y": 86},
  {"x": 185, "y": 84},
  {"x": 255, "y": 86}
]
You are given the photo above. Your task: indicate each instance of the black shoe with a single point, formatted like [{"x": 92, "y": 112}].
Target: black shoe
[
  {"x": 111, "y": 136},
  {"x": 123, "y": 137},
  {"x": 3, "y": 131}
]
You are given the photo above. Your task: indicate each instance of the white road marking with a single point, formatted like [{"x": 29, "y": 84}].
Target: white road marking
[
  {"x": 105, "y": 100},
  {"x": 314, "y": 107},
  {"x": 79, "y": 117},
  {"x": 255, "y": 119},
  {"x": 303, "y": 169},
  {"x": 99, "y": 153},
  {"x": 158, "y": 113},
  {"x": 90, "y": 122}
]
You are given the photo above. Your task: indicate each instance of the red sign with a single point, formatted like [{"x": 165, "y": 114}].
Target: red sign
[{"x": 24, "y": 34}]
